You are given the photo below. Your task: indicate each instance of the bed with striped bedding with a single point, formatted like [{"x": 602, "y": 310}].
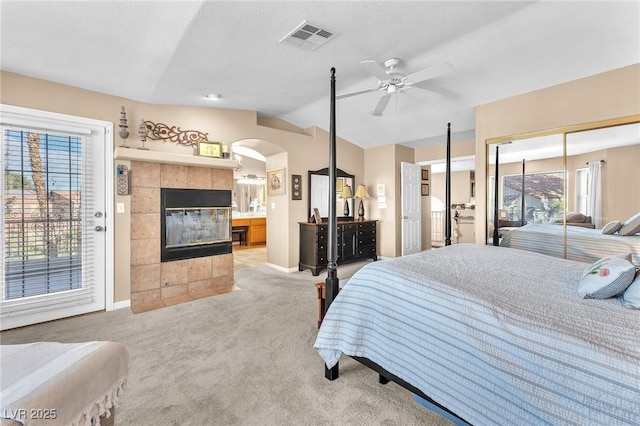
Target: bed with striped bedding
[
  {"x": 583, "y": 244},
  {"x": 497, "y": 336}
]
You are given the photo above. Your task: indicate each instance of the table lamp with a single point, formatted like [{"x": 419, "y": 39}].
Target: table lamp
[
  {"x": 346, "y": 194},
  {"x": 361, "y": 193}
]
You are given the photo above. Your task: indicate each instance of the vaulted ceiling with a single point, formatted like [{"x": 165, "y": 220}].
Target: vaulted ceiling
[{"x": 171, "y": 52}]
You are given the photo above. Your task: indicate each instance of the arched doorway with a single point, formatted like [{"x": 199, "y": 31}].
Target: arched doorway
[{"x": 251, "y": 220}]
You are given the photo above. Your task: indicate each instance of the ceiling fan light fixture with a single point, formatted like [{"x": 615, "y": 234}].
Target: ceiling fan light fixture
[{"x": 392, "y": 80}]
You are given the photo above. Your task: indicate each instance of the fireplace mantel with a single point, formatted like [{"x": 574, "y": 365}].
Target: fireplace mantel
[{"x": 134, "y": 154}]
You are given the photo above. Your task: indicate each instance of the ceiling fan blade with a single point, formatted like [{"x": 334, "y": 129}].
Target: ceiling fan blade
[
  {"x": 377, "y": 70},
  {"x": 382, "y": 104},
  {"x": 423, "y": 93},
  {"x": 428, "y": 73},
  {"x": 357, "y": 92}
]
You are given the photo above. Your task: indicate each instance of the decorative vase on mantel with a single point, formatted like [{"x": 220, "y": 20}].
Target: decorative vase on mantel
[
  {"x": 124, "y": 133},
  {"x": 142, "y": 132}
]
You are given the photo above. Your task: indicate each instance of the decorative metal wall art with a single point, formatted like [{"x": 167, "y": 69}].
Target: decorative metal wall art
[{"x": 160, "y": 131}]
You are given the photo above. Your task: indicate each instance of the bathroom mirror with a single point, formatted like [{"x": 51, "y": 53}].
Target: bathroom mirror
[{"x": 249, "y": 196}]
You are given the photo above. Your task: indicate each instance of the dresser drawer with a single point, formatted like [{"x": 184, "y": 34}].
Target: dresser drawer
[
  {"x": 348, "y": 227},
  {"x": 366, "y": 251},
  {"x": 367, "y": 233},
  {"x": 367, "y": 226},
  {"x": 367, "y": 241}
]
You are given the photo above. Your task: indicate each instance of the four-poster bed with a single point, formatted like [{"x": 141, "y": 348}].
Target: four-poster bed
[{"x": 506, "y": 345}]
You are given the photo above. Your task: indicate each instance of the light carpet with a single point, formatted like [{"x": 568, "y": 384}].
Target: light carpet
[{"x": 241, "y": 358}]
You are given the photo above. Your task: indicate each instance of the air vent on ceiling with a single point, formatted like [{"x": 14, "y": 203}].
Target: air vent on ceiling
[{"x": 308, "y": 36}]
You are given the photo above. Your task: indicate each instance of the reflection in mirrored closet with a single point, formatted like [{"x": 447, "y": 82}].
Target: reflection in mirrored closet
[{"x": 563, "y": 186}]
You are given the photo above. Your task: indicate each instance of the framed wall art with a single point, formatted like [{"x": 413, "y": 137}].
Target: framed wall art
[
  {"x": 425, "y": 189},
  {"x": 275, "y": 182},
  {"x": 425, "y": 174},
  {"x": 296, "y": 187}
]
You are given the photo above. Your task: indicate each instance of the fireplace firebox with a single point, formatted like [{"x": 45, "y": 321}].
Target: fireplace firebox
[{"x": 194, "y": 223}]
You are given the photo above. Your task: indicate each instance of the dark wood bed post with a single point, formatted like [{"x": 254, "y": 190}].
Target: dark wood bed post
[
  {"x": 331, "y": 283},
  {"x": 496, "y": 223},
  {"x": 522, "y": 199},
  {"x": 447, "y": 194}
]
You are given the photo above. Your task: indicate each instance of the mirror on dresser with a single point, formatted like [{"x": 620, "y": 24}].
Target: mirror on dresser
[
  {"x": 319, "y": 194},
  {"x": 575, "y": 180}
]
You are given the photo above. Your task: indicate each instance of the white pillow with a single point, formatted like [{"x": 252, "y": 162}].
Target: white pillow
[
  {"x": 611, "y": 227},
  {"x": 630, "y": 226},
  {"x": 631, "y": 297},
  {"x": 606, "y": 278}
]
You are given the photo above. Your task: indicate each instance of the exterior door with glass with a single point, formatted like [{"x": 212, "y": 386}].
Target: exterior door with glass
[{"x": 54, "y": 216}]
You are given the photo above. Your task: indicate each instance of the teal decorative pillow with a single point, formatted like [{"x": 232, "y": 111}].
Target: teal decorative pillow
[
  {"x": 631, "y": 297},
  {"x": 630, "y": 226},
  {"x": 606, "y": 278},
  {"x": 612, "y": 227}
]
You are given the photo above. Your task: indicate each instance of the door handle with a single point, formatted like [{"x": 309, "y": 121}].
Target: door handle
[{"x": 99, "y": 228}]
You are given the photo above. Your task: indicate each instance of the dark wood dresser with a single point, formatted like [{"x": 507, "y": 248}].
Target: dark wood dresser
[{"x": 356, "y": 241}]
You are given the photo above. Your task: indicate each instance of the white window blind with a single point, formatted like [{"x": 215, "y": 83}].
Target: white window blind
[
  {"x": 582, "y": 191},
  {"x": 43, "y": 239},
  {"x": 42, "y": 211}
]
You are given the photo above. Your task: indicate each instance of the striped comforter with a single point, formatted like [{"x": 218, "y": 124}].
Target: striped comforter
[
  {"x": 498, "y": 336},
  {"x": 583, "y": 244}
]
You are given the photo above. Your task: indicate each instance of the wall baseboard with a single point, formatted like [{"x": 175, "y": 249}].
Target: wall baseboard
[
  {"x": 122, "y": 304},
  {"x": 281, "y": 268}
]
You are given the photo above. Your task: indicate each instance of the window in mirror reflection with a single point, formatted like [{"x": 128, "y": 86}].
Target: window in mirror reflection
[{"x": 543, "y": 197}]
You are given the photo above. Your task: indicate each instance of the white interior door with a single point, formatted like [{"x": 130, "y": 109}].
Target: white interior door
[
  {"x": 54, "y": 216},
  {"x": 411, "y": 208}
]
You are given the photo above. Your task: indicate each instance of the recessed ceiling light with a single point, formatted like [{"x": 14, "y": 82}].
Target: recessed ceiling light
[{"x": 214, "y": 96}]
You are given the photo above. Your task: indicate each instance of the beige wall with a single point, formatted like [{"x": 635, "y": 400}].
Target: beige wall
[
  {"x": 379, "y": 169},
  {"x": 439, "y": 152},
  {"x": 604, "y": 96},
  {"x": 383, "y": 166},
  {"x": 306, "y": 149}
]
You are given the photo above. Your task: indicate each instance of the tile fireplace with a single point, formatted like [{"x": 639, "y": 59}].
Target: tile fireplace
[{"x": 194, "y": 223}]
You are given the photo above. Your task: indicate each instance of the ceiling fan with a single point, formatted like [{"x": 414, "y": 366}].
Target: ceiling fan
[{"x": 391, "y": 80}]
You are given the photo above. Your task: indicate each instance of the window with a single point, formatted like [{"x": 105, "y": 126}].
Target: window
[
  {"x": 543, "y": 196},
  {"x": 582, "y": 191},
  {"x": 42, "y": 212}
]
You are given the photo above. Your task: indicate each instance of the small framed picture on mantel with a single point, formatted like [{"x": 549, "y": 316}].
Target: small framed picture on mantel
[{"x": 209, "y": 149}]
